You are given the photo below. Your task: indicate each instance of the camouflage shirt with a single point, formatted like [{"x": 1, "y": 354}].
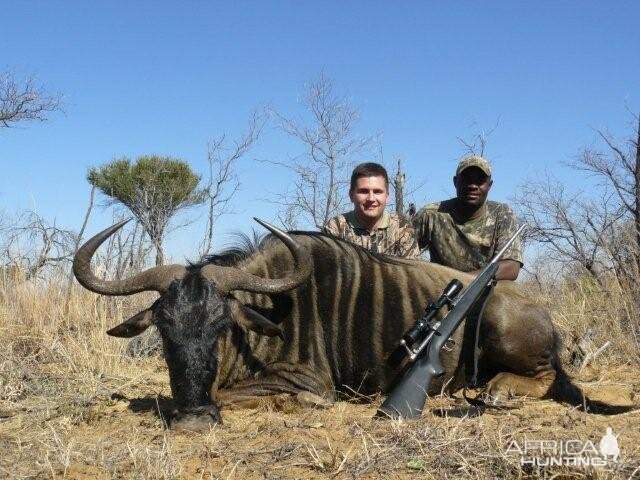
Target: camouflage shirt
[
  {"x": 469, "y": 245},
  {"x": 394, "y": 236}
]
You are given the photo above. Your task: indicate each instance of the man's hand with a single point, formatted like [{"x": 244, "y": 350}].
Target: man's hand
[{"x": 507, "y": 270}]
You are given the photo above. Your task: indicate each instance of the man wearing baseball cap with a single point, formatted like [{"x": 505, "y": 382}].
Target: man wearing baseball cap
[{"x": 466, "y": 231}]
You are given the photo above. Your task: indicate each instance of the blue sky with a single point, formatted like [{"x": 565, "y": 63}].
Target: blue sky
[{"x": 164, "y": 78}]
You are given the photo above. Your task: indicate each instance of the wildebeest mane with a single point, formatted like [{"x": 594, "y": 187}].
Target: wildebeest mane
[
  {"x": 243, "y": 247},
  {"x": 247, "y": 245}
]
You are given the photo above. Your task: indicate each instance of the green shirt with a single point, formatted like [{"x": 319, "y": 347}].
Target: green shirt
[{"x": 470, "y": 245}]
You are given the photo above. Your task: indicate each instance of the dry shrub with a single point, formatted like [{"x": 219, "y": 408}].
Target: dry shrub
[{"x": 603, "y": 315}]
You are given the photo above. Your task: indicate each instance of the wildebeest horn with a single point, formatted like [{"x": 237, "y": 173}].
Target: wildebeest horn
[
  {"x": 157, "y": 278},
  {"x": 229, "y": 278}
]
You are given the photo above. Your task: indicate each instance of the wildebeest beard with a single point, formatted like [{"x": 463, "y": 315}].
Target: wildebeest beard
[{"x": 190, "y": 318}]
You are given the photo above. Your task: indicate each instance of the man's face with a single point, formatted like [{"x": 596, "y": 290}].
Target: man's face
[
  {"x": 369, "y": 197},
  {"x": 472, "y": 186}
]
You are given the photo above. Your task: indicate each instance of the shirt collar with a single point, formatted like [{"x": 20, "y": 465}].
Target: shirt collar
[
  {"x": 352, "y": 219},
  {"x": 482, "y": 212}
]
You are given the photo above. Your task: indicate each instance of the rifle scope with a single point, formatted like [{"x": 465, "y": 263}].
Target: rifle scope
[
  {"x": 422, "y": 326},
  {"x": 413, "y": 340}
]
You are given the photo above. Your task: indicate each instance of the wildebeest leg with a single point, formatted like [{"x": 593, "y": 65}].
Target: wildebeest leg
[
  {"x": 522, "y": 346},
  {"x": 279, "y": 383},
  {"x": 279, "y": 402},
  {"x": 507, "y": 385},
  {"x": 528, "y": 371}
]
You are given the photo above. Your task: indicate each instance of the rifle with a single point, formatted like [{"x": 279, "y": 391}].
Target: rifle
[{"x": 422, "y": 342}]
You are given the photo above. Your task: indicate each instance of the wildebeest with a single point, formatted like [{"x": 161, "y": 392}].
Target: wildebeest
[{"x": 311, "y": 313}]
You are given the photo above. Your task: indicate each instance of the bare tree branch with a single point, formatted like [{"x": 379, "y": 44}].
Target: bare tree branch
[
  {"x": 477, "y": 145},
  {"x": 619, "y": 170},
  {"x": 577, "y": 230},
  {"x": 223, "y": 183},
  {"x": 32, "y": 245},
  {"x": 78, "y": 241},
  {"x": 330, "y": 147},
  {"x": 24, "y": 101}
]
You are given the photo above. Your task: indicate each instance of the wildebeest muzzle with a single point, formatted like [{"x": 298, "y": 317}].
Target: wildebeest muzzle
[{"x": 198, "y": 419}]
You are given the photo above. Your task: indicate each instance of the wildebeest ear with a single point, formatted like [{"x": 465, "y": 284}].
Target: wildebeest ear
[
  {"x": 249, "y": 318},
  {"x": 134, "y": 326}
]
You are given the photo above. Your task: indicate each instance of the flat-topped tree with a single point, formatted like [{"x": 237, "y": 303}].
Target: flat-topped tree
[{"x": 153, "y": 188}]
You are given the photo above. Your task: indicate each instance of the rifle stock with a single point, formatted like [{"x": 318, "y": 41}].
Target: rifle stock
[{"x": 407, "y": 399}]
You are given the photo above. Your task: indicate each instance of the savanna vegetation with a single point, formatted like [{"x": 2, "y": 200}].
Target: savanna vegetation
[{"x": 75, "y": 403}]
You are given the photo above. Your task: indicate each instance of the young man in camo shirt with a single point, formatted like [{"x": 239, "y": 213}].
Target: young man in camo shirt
[
  {"x": 466, "y": 231},
  {"x": 369, "y": 224}
]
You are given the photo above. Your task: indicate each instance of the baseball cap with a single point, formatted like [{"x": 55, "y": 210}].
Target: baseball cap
[{"x": 474, "y": 161}]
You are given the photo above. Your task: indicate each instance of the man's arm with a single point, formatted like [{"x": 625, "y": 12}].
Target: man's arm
[
  {"x": 332, "y": 227},
  {"x": 509, "y": 266},
  {"x": 507, "y": 270},
  {"x": 411, "y": 250},
  {"x": 406, "y": 243},
  {"x": 421, "y": 227}
]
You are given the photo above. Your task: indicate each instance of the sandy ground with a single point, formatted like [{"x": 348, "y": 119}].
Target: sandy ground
[{"x": 110, "y": 427}]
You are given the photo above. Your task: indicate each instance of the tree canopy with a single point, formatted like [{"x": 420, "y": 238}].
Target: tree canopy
[{"x": 153, "y": 187}]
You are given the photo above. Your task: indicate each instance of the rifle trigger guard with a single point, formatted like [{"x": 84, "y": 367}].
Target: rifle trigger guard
[{"x": 448, "y": 345}]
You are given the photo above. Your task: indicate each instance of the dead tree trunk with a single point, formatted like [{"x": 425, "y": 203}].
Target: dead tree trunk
[
  {"x": 398, "y": 183},
  {"x": 81, "y": 232},
  {"x": 637, "y": 198}
]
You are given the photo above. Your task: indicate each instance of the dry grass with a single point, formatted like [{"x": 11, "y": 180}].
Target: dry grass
[
  {"x": 74, "y": 405},
  {"x": 610, "y": 314}
]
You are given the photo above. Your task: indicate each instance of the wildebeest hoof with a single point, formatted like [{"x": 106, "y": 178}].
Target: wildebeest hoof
[
  {"x": 196, "y": 419},
  {"x": 496, "y": 394},
  {"x": 495, "y": 400},
  {"x": 308, "y": 399}
]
